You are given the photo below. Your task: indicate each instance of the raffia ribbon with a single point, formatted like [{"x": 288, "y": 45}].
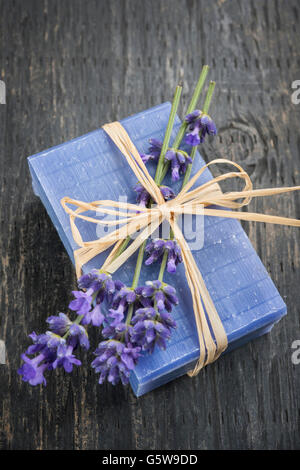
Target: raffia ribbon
[{"x": 130, "y": 218}]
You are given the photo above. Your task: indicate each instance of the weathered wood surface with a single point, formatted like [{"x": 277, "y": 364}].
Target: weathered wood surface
[{"x": 70, "y": 66}]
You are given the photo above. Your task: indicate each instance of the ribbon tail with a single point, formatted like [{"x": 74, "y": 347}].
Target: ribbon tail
[
  {"x": 212, "y": 336},
  {"x": 112, "y": 254},
  {"x": 252, "y": 217}
]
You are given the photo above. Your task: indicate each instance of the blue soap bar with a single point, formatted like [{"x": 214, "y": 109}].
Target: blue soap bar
[{"x": 92, "y": 168}]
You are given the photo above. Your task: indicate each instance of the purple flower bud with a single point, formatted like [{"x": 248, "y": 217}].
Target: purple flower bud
[
  {"x": 59, "y": 324},
  {"x": 94, "y": 316},
  {"x": 156, "y": 251},
  {"x": 32, "y": 370},
  {"x": 143, "y": 197},
  {"x": 154, "y": 151},
  {"x": 99, "y": 283},
  {"x": 53, "y": 351},
  {"x": 160, "y": 295},
  {"x": 150, "y": 328},
  {"x": 148, "y": 291},
  {"x": 193, "y": 116},
  {"x": 65, "y": 358},
  {"x": 155, "y": 147},
  {"x": 82, "y": 302},
  {"x": 200, "y": 124},
  {"x": 115, "y": 360},
  {"x": 167, "y": 192},
  {"x": 192, "y": 138},
  {"x": 179, "y": 162},
  {"x": 78, "y": 336}
]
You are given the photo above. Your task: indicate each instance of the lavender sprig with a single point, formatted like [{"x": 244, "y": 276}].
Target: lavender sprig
[
  {"x": 206, "y": 106},
  {"x": 56, "y": 347},
  {"x": 180, "y": 135},
  {"x": 160, "y": 248},
  {"x": 168, "y": 132},
  {"x": 135, "y": 318},
  {"x": 192, "y": 105}
]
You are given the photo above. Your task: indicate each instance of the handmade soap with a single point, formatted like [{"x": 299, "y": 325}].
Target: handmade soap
[{"x": 92, "y": 168}]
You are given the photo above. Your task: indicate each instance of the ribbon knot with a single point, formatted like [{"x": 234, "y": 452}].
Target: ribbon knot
[
  {"x": 131, "y": 218},
  {"x": 166, "y": 210}
]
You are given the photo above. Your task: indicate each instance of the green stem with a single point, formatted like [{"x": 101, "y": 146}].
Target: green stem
[
  {"x": 192, "y": 105},
  {"x": 163, "y": 266},
  {"x": 189, "y": 168},
  {"x": 164, "y": 171},
  {"x": 138, "y": 266},
  {"x": 136, "y": 277},
  {"x": 129, "y": 314},
  {"x": 122, "y": 247},
  {"x": 208, "y": 97},
  {"x": 167, "y": 137}
]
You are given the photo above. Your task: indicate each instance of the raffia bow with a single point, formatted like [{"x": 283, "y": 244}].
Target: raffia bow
[{"x": 131, "y": 218}]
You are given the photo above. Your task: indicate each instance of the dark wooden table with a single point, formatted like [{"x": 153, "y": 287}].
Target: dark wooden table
[{"x": 70, "y": 66}]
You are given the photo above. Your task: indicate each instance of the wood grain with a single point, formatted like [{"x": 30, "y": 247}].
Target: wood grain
[{"x": 68, "y": 68}]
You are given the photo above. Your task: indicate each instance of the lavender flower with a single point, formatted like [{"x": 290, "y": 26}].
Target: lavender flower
[
  {"x": 156, "y": 250},
  {"x": 143, "y": 197},
  {"x": 55, "y": 348},
  {"x": 154, "y": 151},
  {"x": 78, "y": 337},
  {"x": 114, "y": 324},
  {"x": 167, "y": 192},
  {"x": 65, "y": 358},
  {"x": 151, "y": 328},
  {"x": 32, "y": 370},
  {"x": 99, "y": 282},
  {"x": 47, "y": 343},
  {"x": 94, "y": 316},
  {"x": 179, "y": 162},
  {"x": 199, "y": 124},
  {"x": 162, "y": 295},
  {"x": 53, "y": 352},
  {"x": 122, "y": 299},
  {"x": 82, "y": 302},
  {"x": 100, "y": 287},
  {"x": 115, "y": 360},
  {"x": 59, "y": 324}
]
